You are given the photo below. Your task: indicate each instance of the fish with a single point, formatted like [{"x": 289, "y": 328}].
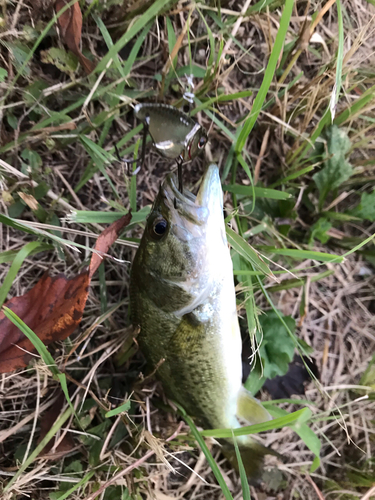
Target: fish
[
  {"x": 182, "y": 298},
  {"x": 174, "y": 134}
]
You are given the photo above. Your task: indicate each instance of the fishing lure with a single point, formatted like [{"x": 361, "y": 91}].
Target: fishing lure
[{"x": 175, "y": 135}]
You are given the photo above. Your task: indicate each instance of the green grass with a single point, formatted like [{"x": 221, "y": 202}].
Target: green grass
[{"x": 291, "y": 223}]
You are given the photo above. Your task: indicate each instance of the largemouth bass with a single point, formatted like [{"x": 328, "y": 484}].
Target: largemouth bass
[{"x": 183, "y": 299}]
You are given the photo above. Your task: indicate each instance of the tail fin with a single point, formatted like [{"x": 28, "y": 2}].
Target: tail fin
[
  {"x": 252, "y": 412},
  {"x": 252, "y": 456}
]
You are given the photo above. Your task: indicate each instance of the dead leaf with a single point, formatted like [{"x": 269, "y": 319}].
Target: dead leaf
[
  {"x": 70, "y": 24},
  {"x": 58, "y": 128},
  {"x": 66, "y": 445},
  {"x": 29, "y": 200},
  {"x": 53, "y": 308},
  {"x": 106, "y": 239}
]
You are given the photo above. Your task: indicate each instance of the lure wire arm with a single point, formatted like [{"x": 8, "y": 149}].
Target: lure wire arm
[
  {"x": 146, "y": 126},
  {"x": 180, "y": 161}
]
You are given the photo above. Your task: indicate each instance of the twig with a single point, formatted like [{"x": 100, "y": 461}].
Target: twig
[
  {"x": 236, "y": 27},
  {"x": 369, "y": 494},
  {"x": 317, "y": 490}
]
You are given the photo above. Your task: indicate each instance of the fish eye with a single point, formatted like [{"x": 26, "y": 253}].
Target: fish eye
[
  {"x": 202, "y": 142},
  {"x": 159, "y": 228}
]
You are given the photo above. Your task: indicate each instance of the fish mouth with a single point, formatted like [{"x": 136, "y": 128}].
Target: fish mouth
[
  {"x": 199, "y": 209},
  {"x": 209, "y": 193}
]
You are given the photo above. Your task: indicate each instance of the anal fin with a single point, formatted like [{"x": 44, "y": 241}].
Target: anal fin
[{"x": 250, "y": 410}]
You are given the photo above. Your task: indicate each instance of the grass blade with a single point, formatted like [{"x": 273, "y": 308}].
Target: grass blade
[
  {"x": 140, "y": 23},
  {"x": 277, "y": 423},
  {"x": 10, "y": 255},
  {"x": 268, "y": 76},
  {"x": 42, "y": 350},
  {"x": 93, "y": 217},
  {"x": 306, "y": 254},
  {"x": 244, "y": 483},
  {"x": 339, "y": 60},
  {"x": 120, "y": 409},
  {"x": 207, "y": 453},
  {"x": 47, "y": 438},
  {"x": 243, "y": 248},
  {"x": 307, "y": 435},
  {"x": 29, "y": 248},
  {"x": 82, "y": 482},
  {"x": 259, "y": 192}
]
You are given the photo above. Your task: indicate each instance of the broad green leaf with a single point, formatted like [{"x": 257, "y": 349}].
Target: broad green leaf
[
  {"x": 32, "y": 159},
  {"x": 276, "y": 345},
  {"x": 319, "y": 231},
  {"x": 20, "y": 53},
  {"x": 366, "y": 209},
  {"x": 336, "y": 169},
  {"x": 65, "y": 61},
  {"x": 255, "y": 380}
]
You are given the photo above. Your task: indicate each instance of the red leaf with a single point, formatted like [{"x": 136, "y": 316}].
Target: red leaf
[
  {"x": 53, "y": 308},
  {"x": 106, "y": 239},
  {"x": 70, "y": 24}
]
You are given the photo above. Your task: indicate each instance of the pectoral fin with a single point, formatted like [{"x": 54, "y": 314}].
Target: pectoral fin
[{"x": 250, "y": 410}]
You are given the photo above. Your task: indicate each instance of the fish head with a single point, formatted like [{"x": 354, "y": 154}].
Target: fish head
[
  {"x": 181, "y": 248},
  {"x": 195, "y": 142}
]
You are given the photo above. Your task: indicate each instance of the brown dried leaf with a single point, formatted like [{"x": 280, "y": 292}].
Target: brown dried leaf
[
  {"x": 29, "y": 200},
  {"x": 70, "y": 24},
  {"x": 106, "y": 240},
  {"x": 53, "y": 308}
]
